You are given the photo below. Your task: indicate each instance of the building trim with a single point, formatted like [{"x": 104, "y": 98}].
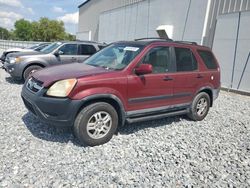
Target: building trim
[{"x": 83, "y": 3}]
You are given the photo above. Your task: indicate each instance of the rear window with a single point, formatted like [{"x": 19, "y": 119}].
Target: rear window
[
  {"x": 85, "y": 49},
  {"x": 208, "y": 59}
]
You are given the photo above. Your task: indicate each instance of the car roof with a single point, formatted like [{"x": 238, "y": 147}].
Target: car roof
[
  {"x": 81, "y": 42},
  {"x": 148, "y": 41}
]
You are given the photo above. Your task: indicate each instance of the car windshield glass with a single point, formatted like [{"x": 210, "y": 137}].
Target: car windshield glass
[
  {"x": 33, "y": 47},
  {"x": 50, "y": 48},
  {"x": 115, "y": 56}
]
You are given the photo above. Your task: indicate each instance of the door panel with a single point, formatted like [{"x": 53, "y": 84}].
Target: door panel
[
  {"x": 187, "y": 78},
  {"x": 154, "y": 89},
  {"x": 149, "y": 91},
  {"x": 68, "y": 53}
]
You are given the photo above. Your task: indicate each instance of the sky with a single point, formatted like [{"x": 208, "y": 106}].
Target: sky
[{"x": 32, "y": 10}]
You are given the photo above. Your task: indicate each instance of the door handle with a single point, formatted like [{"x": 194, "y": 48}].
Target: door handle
[
  {"x": 167, "y": 78},
  {"x": 199, "y": 76}
]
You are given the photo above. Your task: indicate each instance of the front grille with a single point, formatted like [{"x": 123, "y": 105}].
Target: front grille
[
  {"x": 29, "y": 106},
  {"x": 34, "y": 85}
]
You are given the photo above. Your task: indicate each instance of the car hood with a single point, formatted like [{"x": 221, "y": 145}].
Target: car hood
[
  {"x": 17, "y": 49},
  {"x": 18, "y": 54},
  {"x": 60, "y": 72}
]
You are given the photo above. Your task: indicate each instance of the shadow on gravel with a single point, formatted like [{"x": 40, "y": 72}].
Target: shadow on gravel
[
  {"x": 135, "y": 127},
  {"x": 11, "y": 80},
  {"x": 64, "y": 135},
  {"x": 47, "y": 132}
]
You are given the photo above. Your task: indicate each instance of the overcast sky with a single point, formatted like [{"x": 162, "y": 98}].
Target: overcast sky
[{"x": 65, "y": 10}]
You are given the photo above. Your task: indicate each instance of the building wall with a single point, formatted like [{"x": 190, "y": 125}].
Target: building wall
[
  {"x": 141, "y": 20},
  {"x": 232, "y": 48},
  {"x": 88, "y": 26}
]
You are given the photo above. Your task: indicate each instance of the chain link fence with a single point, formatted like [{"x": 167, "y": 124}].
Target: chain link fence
[{"x": 6, "y": 44}]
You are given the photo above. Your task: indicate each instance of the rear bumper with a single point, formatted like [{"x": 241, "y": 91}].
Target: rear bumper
[
  {"x": 53, "y": 111},
  {"x": 215, "y": 93}
]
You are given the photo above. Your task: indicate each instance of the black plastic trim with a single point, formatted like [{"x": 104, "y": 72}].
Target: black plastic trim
[
  {"x": 157, "y": 110},
  {"x": 160, "y": 97}
]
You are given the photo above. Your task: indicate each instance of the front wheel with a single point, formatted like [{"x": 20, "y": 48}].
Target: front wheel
[
  {"x": 28, "y": 71},
  {"x": 200, "y": 107},
  {"x": 96, "y": 124}
]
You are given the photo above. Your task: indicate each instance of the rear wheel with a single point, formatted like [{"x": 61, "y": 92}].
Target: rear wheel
[
  {"x": 28, "y": 71},
  {"x": 96, "y": 124},
  {"x": 200, "y": 107}
]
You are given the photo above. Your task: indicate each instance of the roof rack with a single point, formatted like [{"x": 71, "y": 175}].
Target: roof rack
[
  {"x": 153, "y": 38},
  {"x": 186, "y": 42}
]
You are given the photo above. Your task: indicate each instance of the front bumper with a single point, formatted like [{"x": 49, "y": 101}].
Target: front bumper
[
  {"x": 13, "y": 69},
  {"x": 53, "y": 111}
]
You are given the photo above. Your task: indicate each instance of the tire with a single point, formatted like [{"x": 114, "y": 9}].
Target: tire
[
  {"x": 200, "y": 107},
  {"x": 90, "y": 128},
  {"x": 29, "y": 70}
]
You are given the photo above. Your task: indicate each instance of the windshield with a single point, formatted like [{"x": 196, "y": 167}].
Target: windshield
[
  {"x": 115, "y": 56},
  {"x": 33, "y": 47},
  {"x": 50, "y": 48}
]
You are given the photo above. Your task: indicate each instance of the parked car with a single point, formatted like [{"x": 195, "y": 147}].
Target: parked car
[
  {"x": 36, "y": 47},
  {"x": 20, "y": 65},
  {"x": 125, "y": 82}
]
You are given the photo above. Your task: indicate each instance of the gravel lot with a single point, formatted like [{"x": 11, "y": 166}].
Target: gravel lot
[{"x": 172, "y": 152}]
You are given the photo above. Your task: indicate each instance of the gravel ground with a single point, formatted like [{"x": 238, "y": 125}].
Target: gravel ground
[{"x": 172, "y": 152}]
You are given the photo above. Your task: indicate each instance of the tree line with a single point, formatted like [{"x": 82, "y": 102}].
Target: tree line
[{"x": 42, "y": 30}]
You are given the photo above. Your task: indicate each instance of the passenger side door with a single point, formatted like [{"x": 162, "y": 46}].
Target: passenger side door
[
  {"x": 155, "y": 89},
  {"x": 67, "y": 53},
  {"x": 84, "y": 51},
  {"x": 187, "y": 78}
]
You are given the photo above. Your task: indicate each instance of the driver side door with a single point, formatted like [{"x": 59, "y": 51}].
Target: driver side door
[
  {"x": 67, "y": 53},
  {"x": 155, "y": 89}
]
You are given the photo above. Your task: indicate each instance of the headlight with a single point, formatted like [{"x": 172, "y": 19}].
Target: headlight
[
  {"x": 62, "y": 88},
  {"x": 13, "y": 60}
]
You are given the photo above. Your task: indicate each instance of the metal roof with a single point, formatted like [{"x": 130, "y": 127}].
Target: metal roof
[{"x": 85, "y": 2}]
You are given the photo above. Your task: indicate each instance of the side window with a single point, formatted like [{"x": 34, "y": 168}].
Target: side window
[
  {"x": 185, "y": 60},
  {"x": 69, "y": 49},
  {"x": 208, "y": 59},
  {"x": 159, "y": 58},
  {"x": 85, "y": 49},
  {"x": 101, "y": 47}
]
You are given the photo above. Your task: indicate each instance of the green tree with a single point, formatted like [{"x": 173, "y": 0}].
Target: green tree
[
  {"x": 23, "y": 29},
  {"x": 42, "y": 30},
  {"x": 4, "y": 34}
]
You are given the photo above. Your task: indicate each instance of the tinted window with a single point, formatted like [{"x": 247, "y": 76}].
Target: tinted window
[
  {"x": 86, "y": 49},
  {"x": 208, "y": 59},
  {"x": 159, "y": 58},
  {"x": 69, "y": 49},
  {"x": 185, "y": 60}
]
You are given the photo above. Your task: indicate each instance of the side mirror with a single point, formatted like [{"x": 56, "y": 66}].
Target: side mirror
[
  {"x": 58, "y": 53},
  {"x": 144, "y": 69}
]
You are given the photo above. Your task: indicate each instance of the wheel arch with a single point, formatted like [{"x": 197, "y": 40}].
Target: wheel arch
[
  {"x": 108, "y": 98},
  {"x": 32, "y": 64},
  {"x": 209, "y": 91}
]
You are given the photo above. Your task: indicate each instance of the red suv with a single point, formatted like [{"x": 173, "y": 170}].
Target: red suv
[{"x": 125, "y": 82}]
